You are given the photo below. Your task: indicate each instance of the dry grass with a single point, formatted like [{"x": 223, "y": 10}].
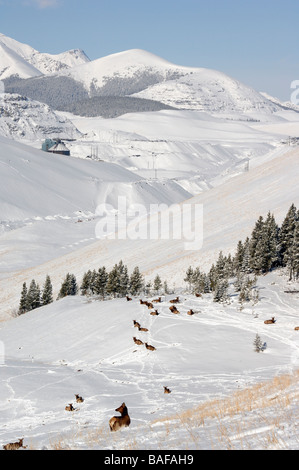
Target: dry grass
[{"x": 263, "y": 416}]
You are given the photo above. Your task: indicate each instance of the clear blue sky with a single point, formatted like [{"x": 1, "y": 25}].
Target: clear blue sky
[{"x": 255, "y": 41}]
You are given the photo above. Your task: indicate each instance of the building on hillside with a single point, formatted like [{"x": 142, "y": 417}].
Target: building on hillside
[{"x": 55, "y": 146}]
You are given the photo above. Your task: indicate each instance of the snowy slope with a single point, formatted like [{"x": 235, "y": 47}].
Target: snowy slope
[
  {"x": 31, "y": 121},
  {"x": 145, "y": 75},
  {"x": 76, "y": 346},
  {"x": 38, "y": 184},
  {"x": 229, "y": 214},
  {"x": 25, "y": 61}
]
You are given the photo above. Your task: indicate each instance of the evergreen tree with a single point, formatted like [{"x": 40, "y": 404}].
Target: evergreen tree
[
  {"x": 68, "y": 287},
  {"x": 238, "y": 258},
  {"x": 102, "y": 280},
  {"x": 287, "y": 233},
  {"x": 189, "y": 277},
  {"x": 258, "y": 344},
  {"x": 221, "y": 291},
  {"x": 124, "y": 280},
  {"x": 245, "y": 265},
  {"x": 136, "y": 281},
  {"x": 113, "y": 283},
  {"x": 23, "y": 306},
  {"x": 157, "y": 284},
  {"x": 47, "y": 295},
  {"x": 256, "y": 246},
  {"x": 292, "y": 255},
  {"x": 86, "y": 283},
  {"x": 33, "y": 296}
]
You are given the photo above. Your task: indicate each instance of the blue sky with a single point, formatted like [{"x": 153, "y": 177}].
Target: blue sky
[{"x": 255, "y": 41}]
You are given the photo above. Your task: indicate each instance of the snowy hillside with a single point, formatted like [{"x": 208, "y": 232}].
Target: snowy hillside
[
  {"x": 145, "y": 75},
  {"x": 17, "y": 59},
  {"x": 26, "y": 120},
  {"x": 85, "y": 347}
]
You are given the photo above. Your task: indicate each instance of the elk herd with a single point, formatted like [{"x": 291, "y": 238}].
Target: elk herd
[{"x": 118, "y": 422}]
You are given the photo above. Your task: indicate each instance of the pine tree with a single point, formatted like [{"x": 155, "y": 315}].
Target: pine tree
[
  {"x": 113, "y": 283},
  {"x": 189, "y": 277},
  {"x": 136, "y": 281},
  {"x": 258, "y": 344},
  {"x": 102, "y": 279},
  {"x": 292, "y": 255},
  {"x": 221, "y": 291},
  {"x": 33, "y": 296},
  {"x": 68, "y": 287},
  {"x": 238, "y": 258},
  {"x": 287, "y": 233},
  {"x": 47, "y": 295},
  {"x": 86, "y": 282},
  {"x": 23, "y": 306},
  {"x": 124, "y": 280},
  {"x": 157, "y": 284}
]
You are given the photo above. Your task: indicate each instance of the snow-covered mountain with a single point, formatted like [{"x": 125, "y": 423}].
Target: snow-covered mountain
[
  {"x": 28, "y": 120},
  {"x": 17, "y": 59},
  {"x": 133, "y": 73},
  {"x": 142, "y": 74}
]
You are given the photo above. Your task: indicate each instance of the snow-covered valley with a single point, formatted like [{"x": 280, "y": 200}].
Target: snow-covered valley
[{"x": 236, "y": 158}]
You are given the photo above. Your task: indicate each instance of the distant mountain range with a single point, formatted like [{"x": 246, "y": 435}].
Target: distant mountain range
[{"x": 63, "y": 80}]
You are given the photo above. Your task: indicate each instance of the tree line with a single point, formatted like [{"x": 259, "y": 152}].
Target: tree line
[
  {"x": 101, "y": 283},
  {"x": 270, "y": 247}
]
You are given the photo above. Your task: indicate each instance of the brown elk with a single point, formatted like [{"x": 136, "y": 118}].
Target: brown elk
[
  {"x": 128, "y": 298},
  {"x": 149, "y": 305},
  {"x": 151, "y": 348},
  {"x": 79, "y": 399},
  {"x": 268, "y": 322},
  {"x": 137, "y": 341},
  {"x": 142, "y": 329},
  {"x": 157, "y": 300},
  {"x": 166, "y": 390},
  {"x": 141, "y": 302},
  {"x": 69, "y": 407},
  {"x": 198, "y": 295},
  {"x": 296, "y": 328},
  {"x": 14, "y": 445},
  {"x": 117, "y": 422},
  {"x": 175, "y": 301},
  {"x": 173, "y": 309},
  {"x": 190, "y": 312},
  {"x": 136, "y": 324},
  {"x": 155, "y": 312}
]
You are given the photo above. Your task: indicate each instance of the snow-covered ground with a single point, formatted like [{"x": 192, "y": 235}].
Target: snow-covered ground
[
  {"x": 227, "y": 151},
  {"x": 85, "y": 346}
]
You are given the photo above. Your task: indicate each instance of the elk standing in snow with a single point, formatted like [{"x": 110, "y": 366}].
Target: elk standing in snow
[{"x": 117, "y": 422}]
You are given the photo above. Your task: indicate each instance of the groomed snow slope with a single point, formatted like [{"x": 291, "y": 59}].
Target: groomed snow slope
[{"x": 229, "y": 214}]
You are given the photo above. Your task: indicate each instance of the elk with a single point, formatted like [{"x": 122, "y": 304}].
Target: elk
[
  {"x": 69, "y": 407},
  {"x": 296, "y": 328},
  {"x": 155, "y": 312},
  {"x": 151, "y": 348},
  {"x": 142, "y": 329},
  {"x": 14, "y": 445},
  {"x": 141, "y": 302},
  {"x": 166, "y": 390},
  {"x": 128, "y": 298},
  {"x": 118, "y": 422},
  {"x": 175, "y": 301},
  {"x": 190, "y": 312},
  {"x": 137, "y": 341},
  {"x": 268, "y": 322},
  {"x": 198, "y": 295},
  {"x": 173, "y": 309},
  {"x": 79, "y": 399},
  {"x": 149, "y": 305},
  {"x": 157, "y": 300},
  {"x": 136, "y": 324}
]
